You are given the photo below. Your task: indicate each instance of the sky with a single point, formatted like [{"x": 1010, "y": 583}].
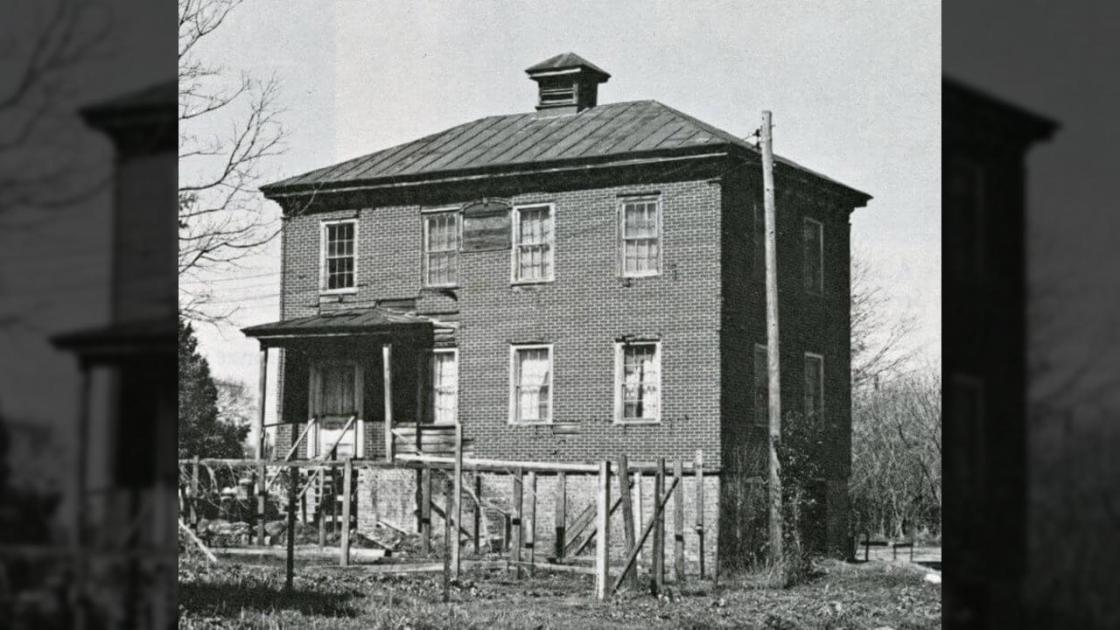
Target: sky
[{"x": 854, "y": 89}]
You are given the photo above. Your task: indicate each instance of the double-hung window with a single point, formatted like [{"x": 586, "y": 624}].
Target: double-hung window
[
  {"x": 640, "y": 230},
  {"x": 445, "y": 385},
  {"x": 441, "y": 249},
  {"x": 638, "y": 382},
  {"x": 531, "y": 384},
  {"x": 814, "y": 385},
  {"x": 532, "y": 243},
  {"x": 338, "y": 262},
  {"x": 812, "y": 260}
]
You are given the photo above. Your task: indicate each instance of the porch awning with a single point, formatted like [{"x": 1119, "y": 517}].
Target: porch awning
[
  {"x": 121, "y": 341},
  {"x": 366, "y": 321}
]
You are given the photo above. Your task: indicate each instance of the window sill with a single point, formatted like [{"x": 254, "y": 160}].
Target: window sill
[
  {"x": 636, "y": 422},
  {"x": 329, "y": 292},
  {"x": 526, "y": 423},
  {"x": 440, "y": 287},
  {"x": 531, "y": 283}
]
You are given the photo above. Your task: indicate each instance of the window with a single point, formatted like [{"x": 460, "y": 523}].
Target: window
[
  {"x": 532, "y": 244},
  {"x": 759, "y": 244},
  {"x": 441, "y": 249},
  {"x": 761, "y": 386},
  {"x": 814, "y": 385},
  {"x": 638, "y": 382},
  {"x": 531, "y": 383},
  {"x": 641, "y": 252},
  {"x": 812, "y": 260},
  {"x": 445, "y": 386},
  {"x": 338, "y": 264}
]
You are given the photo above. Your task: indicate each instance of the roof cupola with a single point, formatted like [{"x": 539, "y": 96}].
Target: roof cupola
[{"x": 567, "y": 83}]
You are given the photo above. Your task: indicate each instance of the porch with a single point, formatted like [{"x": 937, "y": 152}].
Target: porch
[{"x": 366, "y": 384}]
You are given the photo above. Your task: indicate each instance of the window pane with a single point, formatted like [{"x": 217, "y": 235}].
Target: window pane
[
  {"x": 641, "y": 399},
  {"x": 533, "y": 367},
  {"x": 442, "y": 248},
  {"x": 639, "y": 237},
  {"x": 339, "y": 256},
  {"x": 445, "y": 383}
]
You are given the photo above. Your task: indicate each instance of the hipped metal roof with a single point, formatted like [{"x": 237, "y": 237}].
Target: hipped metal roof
[
  {"x": 637, "y": 129},
  {"x": 367, "y": 320}
]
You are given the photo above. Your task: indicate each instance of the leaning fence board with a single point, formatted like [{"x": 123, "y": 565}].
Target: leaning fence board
[
  {"x": 678, "y": 524},
  {"x": 531, "y": 521},
  {"x": 347, "y": 494},
  {"x": 591, "y": 535},
  {"x": 198, "y": 542},
  {"x": 658, "y": 509},
  {"x": 658, "y": 563},
  {"x": 515, "y": 527},
  {"x": 602, "y": 530}
]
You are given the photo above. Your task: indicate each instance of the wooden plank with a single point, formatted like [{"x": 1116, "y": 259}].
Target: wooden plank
[
  {"x": 658, "y": 563},
  {"x": 569, "y": 568},
  {"x": 602, "y": 529},
  {"x": 197, "y": 542},
  {"x": 387, "y": 388},
  {"x": 477, "y": 513},
  {"x": 698, "y": 469},
  {"x": 262, "y": 493},
  {"x": 426, "y": 511},
  {"x": 627, "y": 512},
  {"x": 515, "y": 527},
  {"x": 263, "y": 385},
  {"x": 322, "y": 473},
  {"x": 290, "y": 534},
  {"x": 434, "y": 461},
  {"x": 637, "y": 513},
  {"x": 457, "y": 499},
  {"x": 531, "y": 521},
  {"x": 561, "y": 515},
  {"x": 347, "y": 493},
  {"x": 658, "y": 509},
  {"x": 591, "y": 535},
  {"x": 678, "y": 524},
  {"x": 447, "y": 545},
  {"x": 773, "y": 349}
]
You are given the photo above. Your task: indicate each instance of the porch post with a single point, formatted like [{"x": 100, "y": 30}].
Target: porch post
[
  {"x": 263, "y": 399},
  {"x": 387, "y": 382}
]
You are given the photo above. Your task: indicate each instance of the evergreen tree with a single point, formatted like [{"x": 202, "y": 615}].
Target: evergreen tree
[{"x": 201, "y": 431}]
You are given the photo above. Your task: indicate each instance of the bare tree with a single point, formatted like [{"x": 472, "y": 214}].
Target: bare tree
[
  {"x": 45, "y": 46},
  {"x": 881, "y": 334},
  {"x": 221, "y": 218}
]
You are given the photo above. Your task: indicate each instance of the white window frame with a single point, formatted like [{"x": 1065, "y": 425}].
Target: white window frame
[
  {"x": 454, "y": 352},
  {"x": 818, "y": 290},
  {"x": 513, "y": 380},
  {"x": 619, "y": 359},
  {"x": 820, "y": 383},
  {"x": 425, "y": 215},
  {"x": 323, "y": 290},
  {"x": 515, "y": 252},
  {"x": 622, "y": 235},
  {"x": 312, "y": 441}
]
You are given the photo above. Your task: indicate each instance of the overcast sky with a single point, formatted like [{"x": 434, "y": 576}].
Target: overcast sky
[{"x": 854, "y": 88}]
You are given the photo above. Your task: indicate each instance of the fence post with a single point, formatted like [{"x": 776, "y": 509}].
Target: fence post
[
  {"x": 698, "y": 470},
  {"x": 658, "y": 560},
  {"x": 194, "y": 491},
  {"x": 638, "y": 516},
  {"x": 561, "y": 518},
  {"x": 678, "y": 523},
  {"x": 447, "y": 540},
  {"x": 602, "y": 530},
  {"x": 291, "y": 533},
  {"x": 426, "y": 510},
  {"x": 477, "y": 509},
  {"x": 262, "y": 493},
  {"x": 347, "y": 478},
  {"x": 531, "y": 522},
  {"x": 515, "y": 527},
  {"x": 455, "y": 509},
  {"x": 627, "y": 514},
  {"x": 322, "y": 472}
]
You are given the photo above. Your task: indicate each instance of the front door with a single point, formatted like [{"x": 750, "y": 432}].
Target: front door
[{"x": 336, "y": 397}]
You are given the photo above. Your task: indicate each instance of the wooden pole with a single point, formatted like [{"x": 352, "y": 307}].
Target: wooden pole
[
  {"x": 477, "y": 514},
  {"x": 602, "y": 530},
  {"x": 387, "y": 385},
  {"x": 678, "y": 523},
  {"x": 637, "y": 513},
  {"x": 322, "y": 507},
  {"x": 80, "y": 488},
  {"x": 627, "y": 514},
  {"x": 515, "y": 527},
  {"x": 698, "y": 470},
  {"x": 456, "y": 507},
  {"x": 561, "y": 518},
  {"x": 447, "y": 542},
  {"x": 264, "y": 397},
  {"x": 194, "y": 491},
  {"x": 426, "y": 510},
  {"x": 658, "y": 561},
  {"x": 347, "y": 489},
  {"x": 772, "y": 345},
  {"x": 291, "y": 532},
  {"x": 531, "y": 522},
  {"x": 262, "y": 494}
]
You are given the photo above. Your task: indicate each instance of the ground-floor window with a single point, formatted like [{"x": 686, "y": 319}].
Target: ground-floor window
[
  {"x": 638, "y": 382},
  {"x": 531, "y": 383},
  {"x": 445, "y": 385}
]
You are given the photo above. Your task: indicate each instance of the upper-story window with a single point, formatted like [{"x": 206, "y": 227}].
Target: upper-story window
[
  {"x": 812, "y": 245},
  {"x": 531, "y": 383},
  {"x": 638, "y": 382},
  {"x": 641, "y": 229},
  {"x": 814, "y": 385},
  {"x": 441, "y": 249},
  {"x": 532, "y": 243},
  {"x": 338, "y": 262}
]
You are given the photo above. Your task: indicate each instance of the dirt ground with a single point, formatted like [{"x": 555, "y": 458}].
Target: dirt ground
[{"x": 232, "y": 594}]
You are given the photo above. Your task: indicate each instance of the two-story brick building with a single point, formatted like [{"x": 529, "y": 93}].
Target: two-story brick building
[{"x": 569, "y": 284}]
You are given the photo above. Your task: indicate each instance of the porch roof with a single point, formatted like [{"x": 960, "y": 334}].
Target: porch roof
[{"x": 365, "y": 321}]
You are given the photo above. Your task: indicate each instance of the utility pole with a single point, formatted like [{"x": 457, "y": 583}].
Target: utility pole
[{"x": 772, "y": 354}]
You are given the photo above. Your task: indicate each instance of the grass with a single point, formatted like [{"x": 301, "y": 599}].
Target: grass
[{"x": 235, "y": 596}]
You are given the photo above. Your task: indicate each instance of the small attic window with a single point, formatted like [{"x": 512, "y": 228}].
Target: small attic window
[{"x": 558, "y": 95}]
